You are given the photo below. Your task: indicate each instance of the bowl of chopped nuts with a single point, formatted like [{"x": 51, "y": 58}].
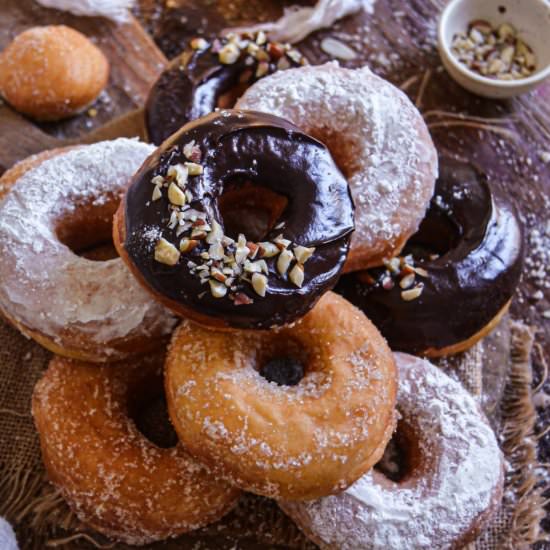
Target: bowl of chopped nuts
[{"x": 496, "y": 48}]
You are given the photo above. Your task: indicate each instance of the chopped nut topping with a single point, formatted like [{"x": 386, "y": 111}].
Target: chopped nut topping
[
  {"x": 268, "y": 250},
  {"x": 259, "y": 284},
  {"x": 157, "y": 193},
  {"x": 303, "y": 254},
  {"x": 263, "y": 69},
  {"x": 241, "y": 299},
  {"x": 186, "y": 245},
  {"x": 216, "y": 233},
  {"x": 337, "y": 49},
  {"x": 166, "y": 253},
  {"x": 218, "y": 290},
  {"x": 199, "y": 44},
  {"x": 175, "y": 195},
  {"x": 180, "y": 173},
  {"x": 193, "y": 168},
  {"x": 281, "y": 242},
  {"x": 284, "y": 260},
  {"x": 494, "y": 52},
  {"x": 413, "y": 293},
  {"x": 407, "y": 281},
  {"x": 297, "y": 275},
  {"x": 229, "y": 54}
]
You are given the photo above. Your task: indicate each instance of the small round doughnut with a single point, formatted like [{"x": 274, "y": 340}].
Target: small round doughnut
[
  {"x": 235, "y": 413},
  {"x": 442, "y": 491},
  {"x": 237, "y": 221},
  {"x": 89, "y": 310},
  {"x": 378, "y": 139},
  {"x": 51, "y": 73},
  {"x": 114, "y": 478},
  {"x": 209, "y": 75},
  {"x": 466, "y": 258}
]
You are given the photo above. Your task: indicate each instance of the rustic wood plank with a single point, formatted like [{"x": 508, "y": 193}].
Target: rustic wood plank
[{"x": 135, "y": 64}]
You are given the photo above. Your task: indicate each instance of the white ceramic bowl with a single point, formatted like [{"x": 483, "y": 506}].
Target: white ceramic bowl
[{"x": 531, "y": 18}]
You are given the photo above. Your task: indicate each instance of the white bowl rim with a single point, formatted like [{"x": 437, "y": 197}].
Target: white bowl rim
[{"x": 539, "y": 75}]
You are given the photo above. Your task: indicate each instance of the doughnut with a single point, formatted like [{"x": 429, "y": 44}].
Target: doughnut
[
  {"x": 466, "y": 259},
  {"x": 88, "y": 310},
  {"x": 113, "y": 478},
  {"x": 52, "y": 73},
  {"x": 294, "y": 413},
  {"x": 378, "y": 139},
  {"x": 209, "y": 75},
  {"x": 440, "y": 493},
  {"x": 237, "y": 221}
]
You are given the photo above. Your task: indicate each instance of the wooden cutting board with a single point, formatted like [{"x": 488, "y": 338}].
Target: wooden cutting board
[{"x": 135, "y": 63}]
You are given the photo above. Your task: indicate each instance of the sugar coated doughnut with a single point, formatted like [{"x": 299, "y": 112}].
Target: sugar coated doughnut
[
  {"x": 378, "y": 139},
  {"x": 52, "y": 72},
  {"x": 112, "y": 477},
  {"x": 235, "y": 413},
  {"x": 467, "y": 258},
  {"x": 73, "y": 306},
  {"x": 210, "y": 74},
  {"x": 237, "y": 221},
  {"x": 445, "y": 487}
]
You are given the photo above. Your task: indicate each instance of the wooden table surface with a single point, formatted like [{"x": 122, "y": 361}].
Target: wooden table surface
[{"x": 510, "y": 140}]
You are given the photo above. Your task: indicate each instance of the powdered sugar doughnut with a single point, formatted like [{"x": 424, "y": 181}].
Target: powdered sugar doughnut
[
  {"x": 112, "y": 476},
  {"x": 74, "y": 306},
  {"x": 377, "y": 137},
  {"x": 295, "y": 413},
  {"x": 448, "y": 488}
]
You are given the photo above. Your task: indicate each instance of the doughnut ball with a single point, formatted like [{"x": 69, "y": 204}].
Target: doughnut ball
[{"x": 52, "y": 72}]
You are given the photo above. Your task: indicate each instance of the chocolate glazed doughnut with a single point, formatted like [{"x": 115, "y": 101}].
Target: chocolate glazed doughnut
[
  {"x": 207, "y": 74},
  {"x": 181, "y": 226},
  {"x": 458, "y": 272}
]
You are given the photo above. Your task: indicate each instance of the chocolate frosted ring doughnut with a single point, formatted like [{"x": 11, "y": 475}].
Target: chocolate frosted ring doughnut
[
  {"x": 439, "y": 489},
  {"x": 241, "y": 405},
  {"x": 113, "y": 477},
  {"x": 213, "y": 75},
  {"x": 220, "y": 222},
  {"x": 458, "y": 272}
]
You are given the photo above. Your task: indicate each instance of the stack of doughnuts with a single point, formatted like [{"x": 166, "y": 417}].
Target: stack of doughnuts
[{"x": 217, "y": 297}]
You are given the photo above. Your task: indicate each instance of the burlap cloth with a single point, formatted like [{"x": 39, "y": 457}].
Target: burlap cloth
[{"x": 42, "y": 520}]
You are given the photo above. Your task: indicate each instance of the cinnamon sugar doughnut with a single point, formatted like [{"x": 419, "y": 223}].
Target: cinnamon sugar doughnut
[
  {"x": 447, "y": 490},
  {"x": 378, "y": 139},
  {"x": 112, "y": 477},
  {"x": 73, "y": 306},
  {"x": 51, "y": 73},
  {"x": 299, "y": 441}
]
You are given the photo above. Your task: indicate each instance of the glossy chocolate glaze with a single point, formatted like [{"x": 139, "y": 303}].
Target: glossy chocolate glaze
[
  {"x": 267, "y": 151},
  {"x": 193, "y": 84},
  {"x": 480, "y": 245}
]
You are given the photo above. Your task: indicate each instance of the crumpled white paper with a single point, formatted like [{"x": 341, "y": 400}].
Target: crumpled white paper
[
  {"x": 116, "y": 10},
  {"x": 7, "y": 536},
  {"x": 299, "y": 22}
]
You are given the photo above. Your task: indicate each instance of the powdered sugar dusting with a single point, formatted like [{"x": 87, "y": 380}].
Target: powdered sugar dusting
[
  {"x": 44, "y": 286},
  {"x": 377, "y": 137},
  {"x": 281, "y": 440},
  {"x": 434, "y": 507}
]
